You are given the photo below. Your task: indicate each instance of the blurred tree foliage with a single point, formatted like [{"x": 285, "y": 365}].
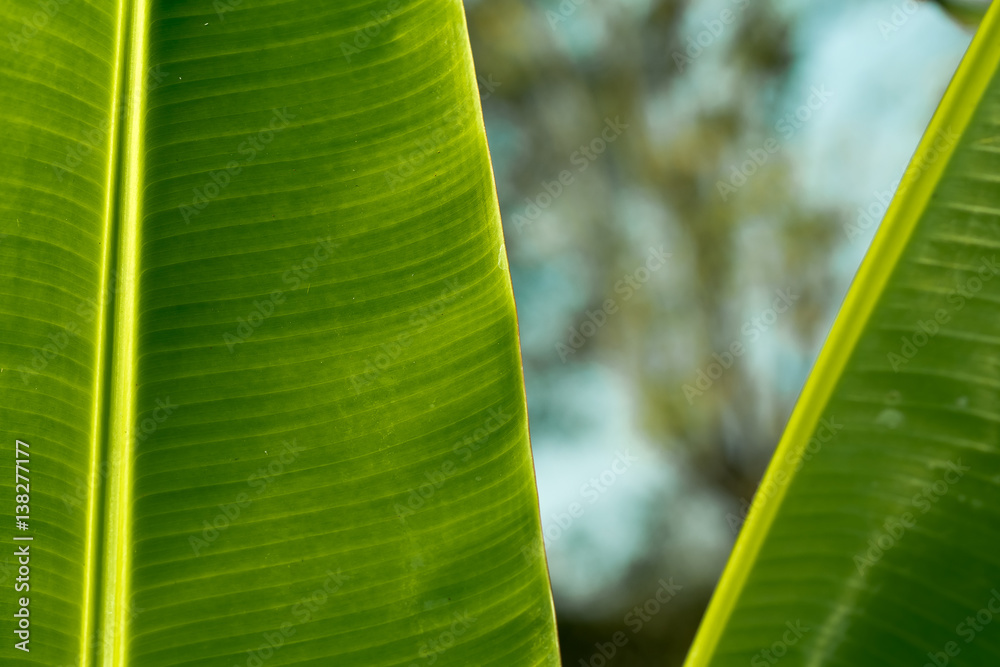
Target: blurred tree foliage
[{"x": 697, "y": 91}]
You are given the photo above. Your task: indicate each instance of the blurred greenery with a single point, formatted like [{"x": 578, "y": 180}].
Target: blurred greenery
[{"x": 762, "y": 139}]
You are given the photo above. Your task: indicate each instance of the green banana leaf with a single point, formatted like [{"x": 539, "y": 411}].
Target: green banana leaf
[
  {"x": 258, "y": 338},
  {"x": 874, "y": 537}
]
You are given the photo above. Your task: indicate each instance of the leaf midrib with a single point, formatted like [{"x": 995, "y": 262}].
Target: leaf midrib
[{"x": 108, "y": 516}]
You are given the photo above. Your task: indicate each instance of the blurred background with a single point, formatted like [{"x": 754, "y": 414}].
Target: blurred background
[{"x": 687, "y": 188}]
